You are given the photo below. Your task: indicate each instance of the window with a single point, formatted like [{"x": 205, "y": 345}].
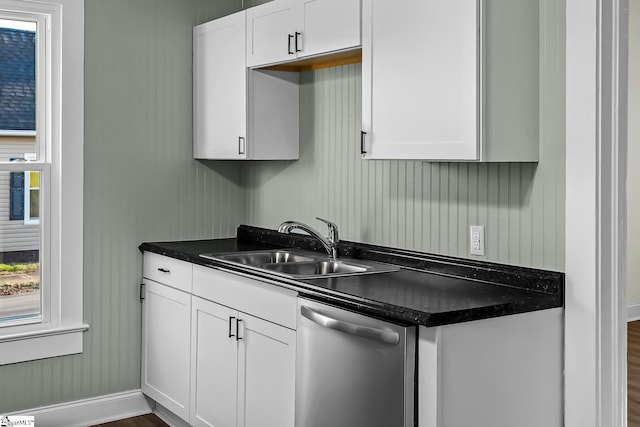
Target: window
[
  {"x": 41, "y": 124},
  {"x": 24, "y": 195},
  {"x": 16, "y": 196}
]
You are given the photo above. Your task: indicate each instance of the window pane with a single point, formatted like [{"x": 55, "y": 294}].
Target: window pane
[
  {"x": 17, "y": 89},
  {"x": 34, "y": 180},
  {"x": 19, "y": 251},
  {"x": 20, "y": 232},
  {"x": 34, "y": 211}
]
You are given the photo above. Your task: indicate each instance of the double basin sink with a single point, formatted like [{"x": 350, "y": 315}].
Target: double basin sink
[{"x": 299, "y": 264}]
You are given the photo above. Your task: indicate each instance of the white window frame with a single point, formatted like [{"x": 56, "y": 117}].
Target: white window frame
[
  {"x": 59, "y": 140},
  {"x": 28, "y": 219}
]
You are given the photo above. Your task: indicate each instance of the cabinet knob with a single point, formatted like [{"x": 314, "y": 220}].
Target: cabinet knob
[{"x": 164, "y": 270}]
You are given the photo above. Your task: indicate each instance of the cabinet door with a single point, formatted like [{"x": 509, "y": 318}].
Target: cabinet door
[
  {"x": 220, "y": 88},
  {"x": 420, "y": 79},
  {"x": 271, "y": 29},
  {"x": 329, "y": 25},
  {"x": 166, "y": 317},
  {"x": 267, "y": 374},
  {"x": 214, "y": 365}
]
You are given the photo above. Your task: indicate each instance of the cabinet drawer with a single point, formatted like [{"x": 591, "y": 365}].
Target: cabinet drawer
[
  {"x": 268, "y": 302},
  {"x": 168, "y": 271}
]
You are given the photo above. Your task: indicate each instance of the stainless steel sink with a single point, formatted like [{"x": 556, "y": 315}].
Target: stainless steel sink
[
  {"x": 262, "y": 257},
  {"x": 299, "y": 264},
  {"x": 317, "y": 268}
]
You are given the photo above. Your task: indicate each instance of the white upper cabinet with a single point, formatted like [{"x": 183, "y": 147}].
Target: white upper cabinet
[
  {"x": 419, "y": 79},
  {"x": 220, "y": 89},
  {"x": 271, "y": 32},
  {"x": 285, "y": 30},
  {"x": 240, "y": 113},
  {"x": 329, "y": 25},
  {"x": 453, "y": 80}
]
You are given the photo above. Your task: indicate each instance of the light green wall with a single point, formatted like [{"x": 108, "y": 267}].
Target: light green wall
[
  {"x": 420, "y": 205},
  {"x": 140, "y": 184}
]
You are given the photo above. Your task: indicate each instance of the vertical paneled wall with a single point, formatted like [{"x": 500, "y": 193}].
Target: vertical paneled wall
[
  {"x": 140, "y": 184},
  {"x": 421, "y": 205}
]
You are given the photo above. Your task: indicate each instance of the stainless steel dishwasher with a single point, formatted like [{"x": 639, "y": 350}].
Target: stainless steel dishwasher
[{"x": 352, "y": 370}]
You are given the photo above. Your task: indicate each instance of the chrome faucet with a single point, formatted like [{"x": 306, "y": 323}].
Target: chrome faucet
[{"x": 330, "y": 242}]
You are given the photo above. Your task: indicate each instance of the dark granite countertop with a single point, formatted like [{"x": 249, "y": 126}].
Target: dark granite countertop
[{"x": 428, "y": 290}]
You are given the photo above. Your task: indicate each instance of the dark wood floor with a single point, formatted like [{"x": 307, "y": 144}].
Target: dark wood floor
[
  {"x": 633, "y": 374},
  {"x": 149, "y": 420}
]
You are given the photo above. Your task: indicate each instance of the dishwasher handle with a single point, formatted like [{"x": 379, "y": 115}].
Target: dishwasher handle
[{"x": 387, "y": 337}]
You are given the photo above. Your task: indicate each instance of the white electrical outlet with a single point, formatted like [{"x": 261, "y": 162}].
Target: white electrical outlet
[{"x": 476, "y": 240}]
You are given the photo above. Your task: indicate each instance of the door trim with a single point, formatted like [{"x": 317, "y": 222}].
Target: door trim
[{"x": 596, "y": 118}]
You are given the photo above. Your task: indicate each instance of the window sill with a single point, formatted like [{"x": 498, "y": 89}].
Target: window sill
[{"x": 41, "y": 344}]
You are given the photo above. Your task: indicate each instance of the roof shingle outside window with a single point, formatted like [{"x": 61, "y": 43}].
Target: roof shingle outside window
[{"x": 17, "y": 80}]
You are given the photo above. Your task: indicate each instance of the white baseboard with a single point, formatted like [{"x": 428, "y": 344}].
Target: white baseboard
[
  {"x": 89, "y": 412},
  {"x": 633, "y": 312}
]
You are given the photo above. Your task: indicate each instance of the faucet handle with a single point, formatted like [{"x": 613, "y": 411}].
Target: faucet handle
[{"x": 333, "y": 230}]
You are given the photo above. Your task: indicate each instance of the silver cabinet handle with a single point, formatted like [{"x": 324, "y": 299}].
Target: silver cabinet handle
[
  {"x": 238, "y": 337},
  {"x": 387, "y": 337},
  {"x": 297, "y": 40},
  {"x": 289, "y": 37},
  {"x": 241, "y": 145},
  {"x": 231, "y": 319}
]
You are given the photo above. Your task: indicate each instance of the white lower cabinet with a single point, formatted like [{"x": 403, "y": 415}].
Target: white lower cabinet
[
  {"x": 500, "y": 372},
  {"x": 166, "y": 318},
  {"x": 214, "y": 365},
  {"x": 218, "y": 349},
  {"x": 243, "y": 369},
  {"x": 266, "y": 374}
]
